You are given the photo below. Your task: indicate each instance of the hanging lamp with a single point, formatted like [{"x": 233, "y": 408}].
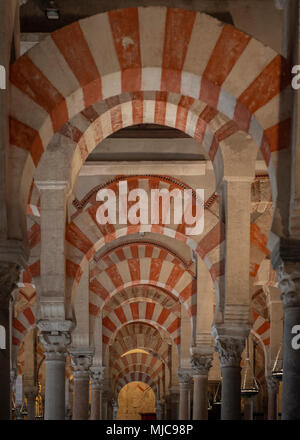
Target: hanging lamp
[{"x": 250, "y": 385}]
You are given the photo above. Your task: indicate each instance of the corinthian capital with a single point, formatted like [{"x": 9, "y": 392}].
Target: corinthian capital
[
  {"x": 55, "y": 344},
  {"x": 201, "y": 364},
  {"x": 184, "y": 376},
  {"x": 230, "y": 350},
  {"x": 81, "y": 361},
  {"x": 288, "y": 276},
  {"x": 97, "y": 376}
]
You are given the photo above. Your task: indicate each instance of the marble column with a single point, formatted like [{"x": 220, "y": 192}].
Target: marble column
[
  {"x": 96, "y": 374},
  {"x": 230, "y": 350},
  {"x": 55, "y": 344},
  {"x": 273, "y": 388},
  {"x": 289, "y": 283},
  {"x": 9, "y": 274},
  {"x": 185, "y": 380},
  {"x": 81, "y": 362},
  {"x": 200, "y": 367}
]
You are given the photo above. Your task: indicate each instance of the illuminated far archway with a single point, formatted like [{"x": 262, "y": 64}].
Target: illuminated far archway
[{"x": 134, "y": 399}]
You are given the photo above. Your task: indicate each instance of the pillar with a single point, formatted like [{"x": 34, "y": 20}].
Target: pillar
[
  {"x": 30, "y": 396},
  {"x": 184, "y": 379},
  {"x": 97, "y": 375},
  {"x": 9, "y": 274},
  {"x": 104, "y": 401},
  {"x": 200, "y": 367},
  {"x": 55, "y": 344},
  {"x": 289, "y": 283},
  {"x": 248, "y": 408},
  {"x": 172, "y": 404},
  {"x": 230, "y": 350},
  {"x": 81, "y": 361},
  {"x": 115, "y": 409},
  {"x": 273, "y": 388}
]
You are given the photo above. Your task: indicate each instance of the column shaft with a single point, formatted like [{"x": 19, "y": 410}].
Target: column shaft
[
  {"x": 30, "y": 406},
  {"x": 184, "y": 401},
  {"x": 231, "y": 393},
  {"x": 5, "y": 394},
  {"x": 291, "y": 366},
  {"x": 248, "y": 409},
  {"x": 95, "y": 404},
  {"x": 55, "y": 389},
  {"x": 200, "y": 398},
  {"x": 81, "y": 396}
]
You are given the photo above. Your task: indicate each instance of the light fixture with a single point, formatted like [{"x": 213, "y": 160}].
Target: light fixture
[
  {"x": 52, "y": 12},
  {"x": 250, "y": 386},
  {"x": 217, "y": 399},
  {"x": 277, "y": 370}
]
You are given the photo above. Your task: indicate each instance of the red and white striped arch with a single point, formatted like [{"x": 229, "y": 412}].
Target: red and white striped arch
[
  {"x": 141, "y": 311},
  {"x": 143, "y": 292},
  {"x": 21, "y": 324},
  {"x": 140, "y": 368},
  {"x": 156, "y": 48},
  {"x": 143, "y": 271},
  {"x": 261, "y": 326},
  {"x": 134, "y": 250},
  {"x": 136, "y": 376},
  {"x": 139, "y": 335},
  {"x": 148, "y": 360}
]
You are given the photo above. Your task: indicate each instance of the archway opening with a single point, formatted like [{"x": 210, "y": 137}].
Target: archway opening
[{"x": 136, "y": 400}]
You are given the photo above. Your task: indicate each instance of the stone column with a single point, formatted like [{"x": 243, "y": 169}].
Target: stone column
[
  {"x": 172, "y": 404},
  {"x": 273, "y": 388},
  {"x": 81, "y": 361},
  {"x": 115, "y": 410},
  {"x": 55, "y": 344},
  {"x": 184, "y": 379},
  {"x": 159, "y": 409},
  {"x": 289, "y": 283},
  {"x": 104, "y": 402},
  {"x": 230, "y": 350},
  {"x": 248, "y": 408},
  {"x": 30, "y": 396},
  {"x": 9, "y": 274},
  {"x": 97, "y": 374},
  {"x": 200, "y": 366}
]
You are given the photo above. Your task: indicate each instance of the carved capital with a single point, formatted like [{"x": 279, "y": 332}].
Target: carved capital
[
  {"x": 201, "y": 364},
  {"x": 9, "y": 277},
  {"x": 55, "y": 345},
  {"x": 97, "y": 375},
  {"x": 288, "y": 276},
  {"x": 185, "y": 376},
  {"x": 230, "y": 350},
  {"x": 81, "y": 362}
]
